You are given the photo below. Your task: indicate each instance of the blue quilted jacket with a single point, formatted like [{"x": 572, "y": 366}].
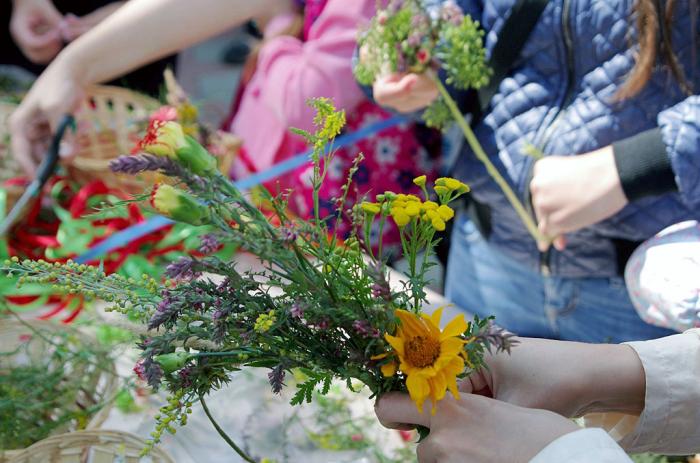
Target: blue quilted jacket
[{"x": 559, "y": 97}]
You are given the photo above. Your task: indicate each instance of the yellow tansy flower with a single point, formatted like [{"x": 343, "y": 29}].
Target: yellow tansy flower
[
  {"x": 429, "y": 358},
  {"x": 429, "y": 205},
  {"x": 438, "y": 224},
  {"x": 440, "y": 189},
  {"x": 370, "y": 208},
  {"x": 445, "y": 212},
  {"x": 420, "y": 181},
  {"x": 412, "y": 209},
  {"x": 400, "y": 216}
]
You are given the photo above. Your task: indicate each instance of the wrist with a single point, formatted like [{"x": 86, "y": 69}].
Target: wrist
[{"x": 615, "y": 381}]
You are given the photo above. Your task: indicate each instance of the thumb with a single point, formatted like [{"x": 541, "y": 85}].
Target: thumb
[{"x": 395, "y": 409}]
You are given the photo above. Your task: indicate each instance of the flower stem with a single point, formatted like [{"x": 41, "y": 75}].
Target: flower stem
[
  {"x": 490, "y": 168},
  {"x": 223, "y": 434}
]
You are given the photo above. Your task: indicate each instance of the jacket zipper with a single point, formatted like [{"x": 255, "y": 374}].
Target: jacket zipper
[{"x": 545, "y": 257}]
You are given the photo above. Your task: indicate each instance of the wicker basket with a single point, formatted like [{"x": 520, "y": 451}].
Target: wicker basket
[
  {"x": 89, "y": 447},
  {"x": 109, "y": 125},
  {"x": 30, "y": 341},
  {"x": 8, "y": 166}
]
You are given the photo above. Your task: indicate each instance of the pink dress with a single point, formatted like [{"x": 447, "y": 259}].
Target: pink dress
[{"x": 289, "y": 72}]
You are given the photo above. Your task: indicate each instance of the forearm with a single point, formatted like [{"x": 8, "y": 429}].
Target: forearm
[
  {"x": 145, "y": 30},
  {"x": 614, "y": 380}
]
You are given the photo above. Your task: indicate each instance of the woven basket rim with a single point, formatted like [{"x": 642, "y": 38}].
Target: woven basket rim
[
  {"x": 111, "y": 382},
  {"x": 83, "y": 439}
]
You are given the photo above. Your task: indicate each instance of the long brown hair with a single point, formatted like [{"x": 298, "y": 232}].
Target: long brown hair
[{"x": 654, "y": 38}]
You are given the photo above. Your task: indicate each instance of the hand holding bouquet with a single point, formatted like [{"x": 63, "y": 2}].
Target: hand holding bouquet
[
  {"x": 408, "y": 36},
  {"x": 320, "y": 305}
]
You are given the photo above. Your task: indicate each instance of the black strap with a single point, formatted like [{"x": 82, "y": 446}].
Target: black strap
[{"x": 511, "y": 39}]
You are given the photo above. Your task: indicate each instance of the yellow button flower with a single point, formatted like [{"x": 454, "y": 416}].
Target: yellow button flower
[
  {"x": 445, "y": 212},
  {"x": 420, "y": 181},
  {"x": 429, "y": 205},
  {"x": 438, "y": 224},
  {"x": 370, "y": 208},
  {"x": 412, "y": 209},
  {"x": 400, "y": 217}
]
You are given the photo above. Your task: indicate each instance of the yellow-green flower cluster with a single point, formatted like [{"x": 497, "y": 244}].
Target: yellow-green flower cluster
[
  {"x": 264, "y": 322},
  {"x": 448, "y": 189},
  {"x": 328, "y": 121}
]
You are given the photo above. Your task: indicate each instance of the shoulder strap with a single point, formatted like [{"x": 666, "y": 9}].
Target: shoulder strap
[{"x": 514, "y": 33}]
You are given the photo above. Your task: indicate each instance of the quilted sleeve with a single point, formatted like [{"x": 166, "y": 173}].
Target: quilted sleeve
[
  {"x": 666, "y": 158},
  {"x": 680, "y": 130}
]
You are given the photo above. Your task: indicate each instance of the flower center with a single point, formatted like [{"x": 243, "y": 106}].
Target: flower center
[{"x": 422, "y": 351}]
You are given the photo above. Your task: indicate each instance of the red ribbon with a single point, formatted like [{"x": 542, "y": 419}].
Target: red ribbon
[{"x": 37, "y": 233}]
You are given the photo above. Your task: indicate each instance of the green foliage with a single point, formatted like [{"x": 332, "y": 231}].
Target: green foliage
[
  {"x": 405, "y": 37},
  {"x": 44, "y": 394},
  {"x": 305, "y": 390}
]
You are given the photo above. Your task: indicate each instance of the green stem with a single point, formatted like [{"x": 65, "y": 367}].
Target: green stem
[
  {"x": 225, "y": 436},
  {"x": 491, "y": 169}
]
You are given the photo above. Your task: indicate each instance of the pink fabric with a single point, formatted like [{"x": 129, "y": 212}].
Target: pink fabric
[{"x": 291, "y": 71}]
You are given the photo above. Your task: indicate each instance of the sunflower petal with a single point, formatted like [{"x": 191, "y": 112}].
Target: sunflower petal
[
  {"x": 456, "y": 327},
  {"x": 451, "y": 347},
  {"x": 389, "y": 369},
  {"x": 396, "y": 343},
  {"x": 436, "y": 316},
  {"x": 410, "y": 324},
  {"x": 418, "y": 389}
]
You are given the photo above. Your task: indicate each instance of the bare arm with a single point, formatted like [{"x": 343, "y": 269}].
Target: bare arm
[
  {"x": 144, "y": 30},
  {"x": 138, "y": 33}
]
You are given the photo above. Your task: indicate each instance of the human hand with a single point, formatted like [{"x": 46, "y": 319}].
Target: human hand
[
  {"x": 573, "y": 192},
  {"x": 568, "y": 378},
  {"x": 74, "y": 26},
  {"x": 54, "y": 94},
  {"x": 34, "y": 26},
  {"x": 475, "y": 428},
  {"x": 405, "y": 92}
]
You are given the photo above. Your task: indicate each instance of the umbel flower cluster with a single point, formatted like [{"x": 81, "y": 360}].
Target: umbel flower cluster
[{"x": 320, "y": 306}]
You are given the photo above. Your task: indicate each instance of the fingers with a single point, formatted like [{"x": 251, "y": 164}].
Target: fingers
[
  {"x": 426, "y": 452},
  {"x": 405, "y": 92},
  {"x": 395, "y": 410}
]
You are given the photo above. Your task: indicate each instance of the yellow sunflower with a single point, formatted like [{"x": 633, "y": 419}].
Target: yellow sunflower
[{"x": 431, "y": 359}]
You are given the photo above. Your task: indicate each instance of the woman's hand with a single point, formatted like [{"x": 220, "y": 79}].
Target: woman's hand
[
  {"x": 573, "y": 192},
  {"x": 568, "y": 378},
  {"x": 405, "y": 92},
  {"x": 475, "y": 429},
  {"x": 54, "y": 94},
  {"x": 35, "y": 28}
]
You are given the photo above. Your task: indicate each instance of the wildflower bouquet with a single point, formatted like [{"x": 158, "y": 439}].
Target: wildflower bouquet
[
  {"x": 407, "y": 36},
  {"x": 319, "y": 306}
]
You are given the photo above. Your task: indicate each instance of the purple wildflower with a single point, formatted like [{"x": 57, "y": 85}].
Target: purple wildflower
[
  {"x": 276, "y": 378},
  {"x": 297, "y": 311},
  {"x": 288, "y": 234},
  {"x": 209, "y": 244},
  {"x": 153, "y": 372},
  {"x": 185, "y": 375},
  {"x": 167, "y": 311},
  {"x": 365, "y": 329},
  {"x": 493, "y": 335},
  {"x": 323, "y": 324},
  {"x": 182, "y": 269},
  {"x": 143, "y": 163}
]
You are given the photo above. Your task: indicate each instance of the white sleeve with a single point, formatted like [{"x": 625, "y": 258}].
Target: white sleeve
[
  {"x": 583, "y": 446},
  {"x": 670, "y": 422}
]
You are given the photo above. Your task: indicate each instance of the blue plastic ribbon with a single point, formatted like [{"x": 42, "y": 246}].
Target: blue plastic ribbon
[{"x": 155, "y": 223}]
